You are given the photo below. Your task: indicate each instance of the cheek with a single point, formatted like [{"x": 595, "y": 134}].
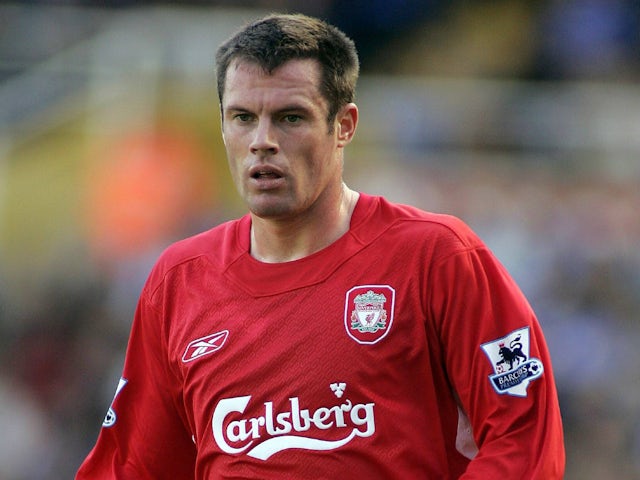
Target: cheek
[
  {"x": 235, "y": 169},
  {"x": 234, "y": 162},
  {"x": 232, "y": 149},
  {"x": 312, "y": 164},
  {"x": 322, "y": 161}
]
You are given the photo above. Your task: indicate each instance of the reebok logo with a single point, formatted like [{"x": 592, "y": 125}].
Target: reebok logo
[{"x": 204, "y": 346}]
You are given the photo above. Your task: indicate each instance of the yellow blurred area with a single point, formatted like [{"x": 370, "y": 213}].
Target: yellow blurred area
[
  {"x": 52, "y": 179},
  {"x": 41, "y": 198}
]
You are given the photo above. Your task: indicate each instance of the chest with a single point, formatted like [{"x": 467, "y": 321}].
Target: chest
[{"x": 334, "y": 360}]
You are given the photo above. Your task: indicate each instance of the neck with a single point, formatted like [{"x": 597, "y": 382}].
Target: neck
[{"x": 275, "y": 241}]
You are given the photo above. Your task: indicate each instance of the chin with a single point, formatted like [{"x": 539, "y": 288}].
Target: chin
[{"x": 272, "y": 210}]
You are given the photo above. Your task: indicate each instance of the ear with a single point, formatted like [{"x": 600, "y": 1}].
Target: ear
[{"x": 347, "y": 121}]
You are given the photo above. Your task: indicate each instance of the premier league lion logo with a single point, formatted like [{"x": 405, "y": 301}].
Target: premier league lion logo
[
  {"x": 512, "y": 354},
  {"x": 513, "y": 367}
]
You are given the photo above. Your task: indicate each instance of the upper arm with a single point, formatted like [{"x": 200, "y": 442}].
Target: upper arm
[
  {"x": 147, "y": 437},
  {"x": 498, "y": 363}
]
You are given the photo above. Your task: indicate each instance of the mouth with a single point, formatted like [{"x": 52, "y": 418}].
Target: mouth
[
  {"x": 266, "y": 177},
  {"x": 268, "y": 172}
]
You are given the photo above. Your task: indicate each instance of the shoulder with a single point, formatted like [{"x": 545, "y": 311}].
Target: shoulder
[
  {"x": 413, "y": 224},
  {"x": 216, "y": 247}
]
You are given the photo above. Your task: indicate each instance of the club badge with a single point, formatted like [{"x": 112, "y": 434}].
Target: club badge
[{"x": 368, "y": 313}]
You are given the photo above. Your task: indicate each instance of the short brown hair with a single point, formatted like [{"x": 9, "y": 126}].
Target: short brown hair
[{"x": 276, "y": 39}]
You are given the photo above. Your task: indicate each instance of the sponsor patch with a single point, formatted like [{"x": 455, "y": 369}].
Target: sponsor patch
[
  {"x": 294, "y": 426},
  {"x": 204, "y": 346},
  {"x": 513, "y": 368},
  {"x": 111, "y": 417},
  {"x": 368, "y": 312}
]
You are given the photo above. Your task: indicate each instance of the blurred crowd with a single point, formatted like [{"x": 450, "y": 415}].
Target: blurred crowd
[{"x": 569, "y": 232}]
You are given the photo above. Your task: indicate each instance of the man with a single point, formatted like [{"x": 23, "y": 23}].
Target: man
[{"x": 326, "y": 334}]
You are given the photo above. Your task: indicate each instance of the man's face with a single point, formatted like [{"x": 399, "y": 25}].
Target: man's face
[{"x": 283, "y": 157}]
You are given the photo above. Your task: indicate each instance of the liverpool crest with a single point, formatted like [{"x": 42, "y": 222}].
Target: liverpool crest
[{"x": 369, "y": 312}]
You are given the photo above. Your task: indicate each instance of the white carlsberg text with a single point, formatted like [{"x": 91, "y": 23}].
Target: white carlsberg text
[{"x": 274, "y": 432}]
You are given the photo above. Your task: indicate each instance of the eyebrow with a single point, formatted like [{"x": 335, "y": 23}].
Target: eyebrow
[{"x": 284, "y": 109}]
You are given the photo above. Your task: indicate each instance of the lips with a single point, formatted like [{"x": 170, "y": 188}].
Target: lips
[
  {"x": 266, "y": 176},
  {"x": 264, "y": 171}
]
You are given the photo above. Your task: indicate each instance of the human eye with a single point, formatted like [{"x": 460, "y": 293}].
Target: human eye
[
  {"x": 242, "y": 117},
  {"x": 292, "y": 118}
]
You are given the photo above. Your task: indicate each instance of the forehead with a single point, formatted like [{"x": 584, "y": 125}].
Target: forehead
[{"x": 297, "y": 79}]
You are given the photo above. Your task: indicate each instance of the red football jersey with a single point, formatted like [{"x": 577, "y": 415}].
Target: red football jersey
[{"x": 402, "y": 350}]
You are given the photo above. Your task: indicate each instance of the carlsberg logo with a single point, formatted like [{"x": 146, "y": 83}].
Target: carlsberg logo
[{"x": 294, "y": 428}]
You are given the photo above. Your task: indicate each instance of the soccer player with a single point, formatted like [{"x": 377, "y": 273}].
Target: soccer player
[{"x": 327, "y": 334}]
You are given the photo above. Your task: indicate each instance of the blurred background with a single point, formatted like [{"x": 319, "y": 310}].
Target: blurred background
[{"x": 520, "y": 117}]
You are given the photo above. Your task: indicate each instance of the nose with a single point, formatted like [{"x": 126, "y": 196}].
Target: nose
[{"x": 264, "y": 141}]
